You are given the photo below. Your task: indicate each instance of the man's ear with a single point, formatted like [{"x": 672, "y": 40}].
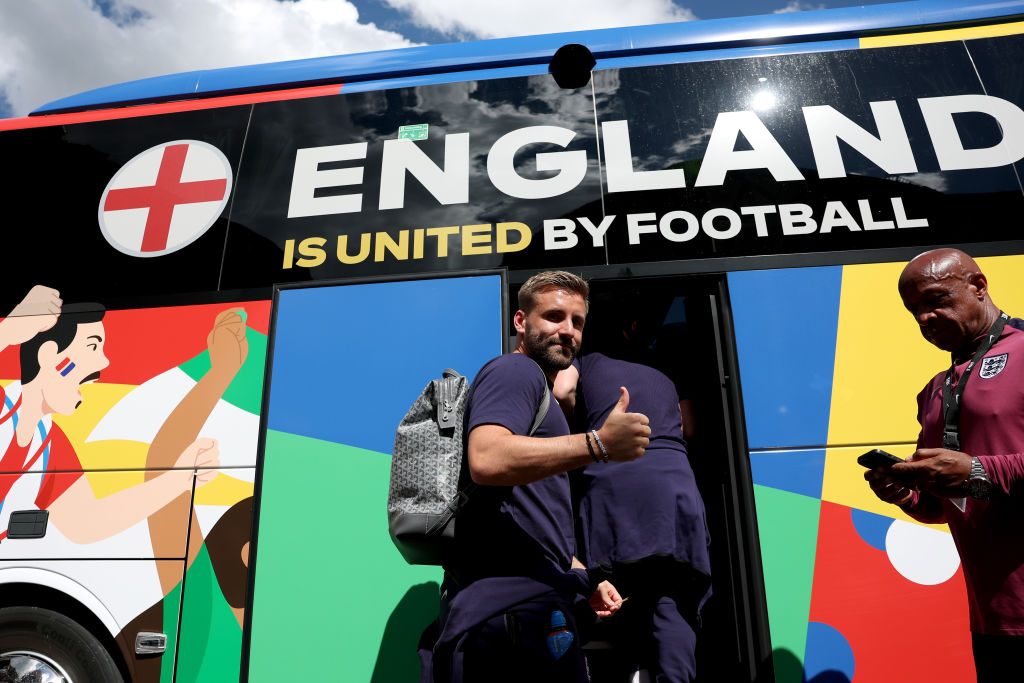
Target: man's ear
[
  {"x": 980, "y": 284},
  {"x": 47, "y": 355},
  {"x": 519, "y": 321}
]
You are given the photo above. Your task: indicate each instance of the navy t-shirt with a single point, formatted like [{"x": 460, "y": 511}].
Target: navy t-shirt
[
  {"x": 651, "y": 392},
  {"x": 650, "y": 507},
  {"x": 514, "y": 530}
]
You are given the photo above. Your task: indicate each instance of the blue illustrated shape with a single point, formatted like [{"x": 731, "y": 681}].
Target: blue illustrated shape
[
  {"x": 787, "y": 353},
  {"x": 828, "y": 656},
  {"x": 349, "y": 360},
  {"x": 794, "y": 471},
  {"x": 870, "y": 527}
]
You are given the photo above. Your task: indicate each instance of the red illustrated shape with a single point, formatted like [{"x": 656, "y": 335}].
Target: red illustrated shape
[
  {"x": 899, "y": 630},
  {"x": 141, "y": 343}
]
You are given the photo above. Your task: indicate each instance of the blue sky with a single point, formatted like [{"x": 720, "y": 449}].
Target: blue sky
[
  {"x": 55, "y": 48},
  {"x": 383, "y": 15}
]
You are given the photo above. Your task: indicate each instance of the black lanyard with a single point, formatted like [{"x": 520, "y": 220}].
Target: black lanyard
[{"x": 951, "y": 395}]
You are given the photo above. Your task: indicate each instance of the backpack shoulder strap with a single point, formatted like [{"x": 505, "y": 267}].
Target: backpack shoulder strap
[{"x": 544, "y": 406}]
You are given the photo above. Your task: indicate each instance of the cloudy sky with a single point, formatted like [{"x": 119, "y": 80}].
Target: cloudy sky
[{"x": 54, "y": 48}]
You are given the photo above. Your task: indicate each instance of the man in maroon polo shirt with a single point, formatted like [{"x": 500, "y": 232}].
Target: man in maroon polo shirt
[{"x": 969, "y": 465}]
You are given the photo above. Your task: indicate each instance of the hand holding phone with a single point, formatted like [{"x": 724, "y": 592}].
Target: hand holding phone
[{"x": 878, "y": 458}]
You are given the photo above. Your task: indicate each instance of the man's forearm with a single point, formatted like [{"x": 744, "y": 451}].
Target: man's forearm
[{"x": 500, "y": 458}]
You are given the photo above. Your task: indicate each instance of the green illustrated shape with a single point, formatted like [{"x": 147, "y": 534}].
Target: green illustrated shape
[
  {"x": 246, "y": 390},
  {"x": 788, "y": 526},
  {"x": 327, "y": 570},
  {"x": 211, "y": 639},
  {"x": 171, "y": 602}
]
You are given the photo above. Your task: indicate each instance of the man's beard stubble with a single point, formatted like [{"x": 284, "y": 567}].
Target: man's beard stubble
[{"x": 545, "y": 354}]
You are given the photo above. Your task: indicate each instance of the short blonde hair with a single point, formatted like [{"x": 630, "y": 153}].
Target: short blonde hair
[{"x": 559, "y": 279}]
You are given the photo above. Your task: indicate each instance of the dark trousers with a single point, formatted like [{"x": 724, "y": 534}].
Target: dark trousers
[
  {"x": 998, "y": 659},
  {"x": 513, "y": 648},
  {"x": 654, "y": 635}
]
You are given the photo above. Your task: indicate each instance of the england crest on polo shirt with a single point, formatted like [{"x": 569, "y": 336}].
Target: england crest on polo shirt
[{"x": 992, "y": 366}]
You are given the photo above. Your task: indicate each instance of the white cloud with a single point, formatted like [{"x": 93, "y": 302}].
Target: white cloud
[
  {"x": 56, "y": 48},
  {"x": 936, "y": 181},
  {"x": 798, "y": 6},
  {"x": 499, "y": 19}
]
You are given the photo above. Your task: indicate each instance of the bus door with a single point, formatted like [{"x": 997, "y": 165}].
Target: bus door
[
  {"x": 332, "y": 598},
  {"x": 682, "y": 326}
]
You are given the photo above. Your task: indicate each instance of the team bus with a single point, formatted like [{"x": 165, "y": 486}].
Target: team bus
[{"x": 226, "y": 287}]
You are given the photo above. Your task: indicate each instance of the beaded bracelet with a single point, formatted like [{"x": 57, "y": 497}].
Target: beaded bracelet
[{"x": 600, "y": 444}]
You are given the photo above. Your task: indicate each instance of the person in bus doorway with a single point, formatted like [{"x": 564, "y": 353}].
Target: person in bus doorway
[
  {"x": 645, "y": 519},
  {"x": 508, "y": 593},
  {"x": 968, "y": 469}
]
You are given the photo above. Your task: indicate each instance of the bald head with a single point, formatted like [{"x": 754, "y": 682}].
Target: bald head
[
  {"x": 947, "y": 294},
  {"x": 939, "y": 264}
]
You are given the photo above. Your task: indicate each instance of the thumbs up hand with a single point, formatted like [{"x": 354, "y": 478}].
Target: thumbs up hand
[{"x": 625, "y": 435}]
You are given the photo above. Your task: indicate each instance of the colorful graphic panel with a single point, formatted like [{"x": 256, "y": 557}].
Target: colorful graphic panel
[
  {"x": 788, "y": 524},
  {"x": 214, "y": 606},
  {"x": 863, "y": 589},
  {"x": 839, "y": 564},
  {"x": 348, "y": 361},
  {"x": 112, "y": 421}
]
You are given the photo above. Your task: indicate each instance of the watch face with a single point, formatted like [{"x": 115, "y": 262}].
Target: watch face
[{"x": 979, "y": 487}]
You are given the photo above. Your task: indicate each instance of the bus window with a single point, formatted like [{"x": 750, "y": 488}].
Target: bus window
[{"x": 808, "y": 152}]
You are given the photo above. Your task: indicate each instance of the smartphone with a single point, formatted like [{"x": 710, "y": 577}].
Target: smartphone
[{"x": 878, "y": 458}]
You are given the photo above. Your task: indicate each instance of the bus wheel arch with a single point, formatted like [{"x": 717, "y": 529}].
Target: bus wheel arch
[
  {"x": 27, "y": 608},
  {"x": 43, "y": 638}
]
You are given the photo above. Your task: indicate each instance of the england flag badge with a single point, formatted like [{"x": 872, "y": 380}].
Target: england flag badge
[
  {"x": 992, "y": 366},
  {"x": 165, "y": 198}
]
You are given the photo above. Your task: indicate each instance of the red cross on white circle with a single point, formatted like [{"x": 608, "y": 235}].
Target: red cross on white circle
[{"x": 165, "y": 198}]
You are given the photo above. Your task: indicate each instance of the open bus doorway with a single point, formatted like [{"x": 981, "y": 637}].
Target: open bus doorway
[{"x": 680, "y": 325}]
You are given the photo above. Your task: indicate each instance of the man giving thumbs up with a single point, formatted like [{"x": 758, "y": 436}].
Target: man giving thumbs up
[{"x": 510, "y": 584}]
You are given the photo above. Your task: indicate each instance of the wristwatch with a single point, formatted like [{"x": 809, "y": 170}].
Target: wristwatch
[{"x": 979, "y": 486}]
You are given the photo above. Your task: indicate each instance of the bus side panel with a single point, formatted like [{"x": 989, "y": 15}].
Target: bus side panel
[
  {"x": 117, "y": 525},
  {"x": 215, "y": 584},
  {"x": 786, "y": 352},
  {"x": 831, "y": 364},
  {"x": 348, "y": 361}
]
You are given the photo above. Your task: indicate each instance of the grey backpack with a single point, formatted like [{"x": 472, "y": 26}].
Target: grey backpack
[{"x": 426, "y": 466}]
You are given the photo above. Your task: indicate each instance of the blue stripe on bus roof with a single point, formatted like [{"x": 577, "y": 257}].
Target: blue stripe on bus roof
[
  {"x": 729, "y": 53},
  {"x": 610, "y": 63},
  {"x": 742, "y": 33}
]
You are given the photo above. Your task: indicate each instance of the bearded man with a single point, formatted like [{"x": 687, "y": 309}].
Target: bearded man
[{"x": 506, "y": 601}]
